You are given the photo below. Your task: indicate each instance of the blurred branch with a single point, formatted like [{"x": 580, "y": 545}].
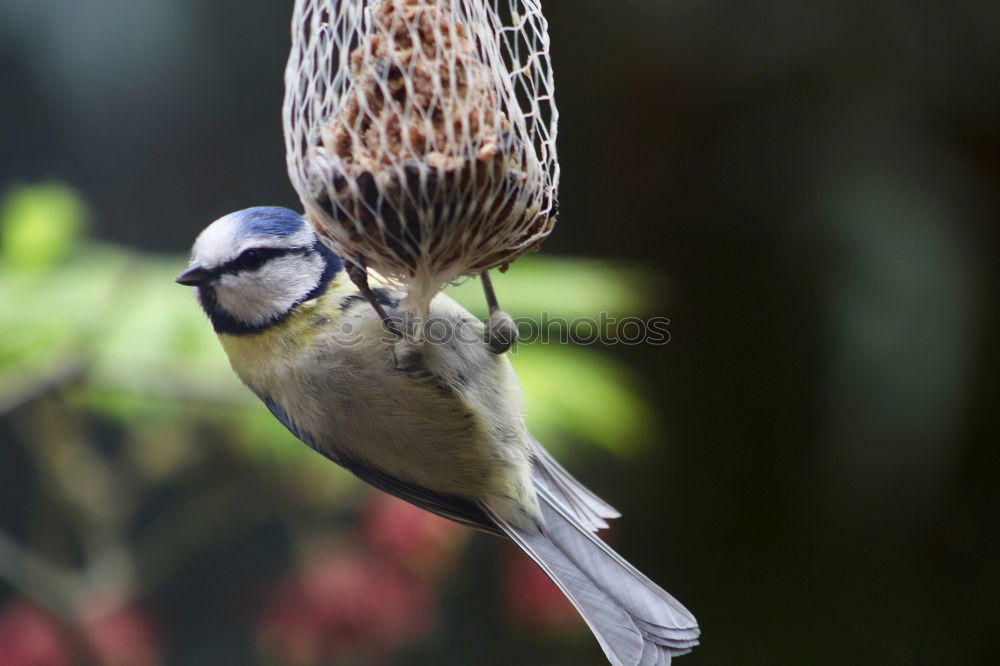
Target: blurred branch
[
  {"x": 22, "y": 393},
  {"x": 34, "y": 576},
  {"x": 189, "y": 523},
  {"x": 96, "y": 490}
]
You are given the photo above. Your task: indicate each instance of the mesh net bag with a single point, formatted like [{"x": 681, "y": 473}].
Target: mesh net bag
[{"x": 420, "y": 134}]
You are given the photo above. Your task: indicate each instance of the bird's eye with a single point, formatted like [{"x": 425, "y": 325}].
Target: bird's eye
[{"x": 250, "y": 260}]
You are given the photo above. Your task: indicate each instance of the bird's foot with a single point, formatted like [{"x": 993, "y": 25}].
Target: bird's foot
[
  {"x": 501, "y": 332},
  {"x": 358, "y": 274}
]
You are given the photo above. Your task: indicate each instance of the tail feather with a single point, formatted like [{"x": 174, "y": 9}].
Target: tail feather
[
  {"x": 619, "y": 637},
  {"x": 585, "y": 506},
  {"x": 664, "y": 636},
  {"x": 651, "y": 654},
  {"x": 636, "y": 622},
  {"x": 641, "y": 597}
]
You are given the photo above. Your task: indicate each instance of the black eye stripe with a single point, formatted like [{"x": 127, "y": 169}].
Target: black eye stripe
[{"x": 256, "y": 257}]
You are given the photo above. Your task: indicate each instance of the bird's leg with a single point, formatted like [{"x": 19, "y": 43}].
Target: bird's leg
[
  {"x": 501, "y": 331},
  {"x": 359, "y": 276}
]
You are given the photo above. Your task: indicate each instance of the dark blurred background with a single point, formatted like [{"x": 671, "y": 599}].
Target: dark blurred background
[{"x": 809, "y": 191}]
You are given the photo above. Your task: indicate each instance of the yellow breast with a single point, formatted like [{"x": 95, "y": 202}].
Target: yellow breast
[{"x": 263, "y": 358}]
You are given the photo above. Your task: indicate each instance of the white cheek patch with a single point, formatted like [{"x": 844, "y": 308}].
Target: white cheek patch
[{"x": 266, "y": 294}]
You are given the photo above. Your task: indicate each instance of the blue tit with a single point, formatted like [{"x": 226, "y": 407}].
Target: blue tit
[{"x": 438, "y": 422}]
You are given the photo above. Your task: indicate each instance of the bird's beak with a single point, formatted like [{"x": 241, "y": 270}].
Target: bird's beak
[{"x": 193, "y": 276}]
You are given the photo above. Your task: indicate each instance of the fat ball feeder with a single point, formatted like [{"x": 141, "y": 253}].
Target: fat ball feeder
[{"x": 420, "y": 137}]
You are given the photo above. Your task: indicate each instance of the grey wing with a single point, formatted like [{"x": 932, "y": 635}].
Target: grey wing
[{"x": 452, "y": 507}]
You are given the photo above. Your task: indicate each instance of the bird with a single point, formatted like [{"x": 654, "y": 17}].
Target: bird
[{"x": 437, "y": 421}]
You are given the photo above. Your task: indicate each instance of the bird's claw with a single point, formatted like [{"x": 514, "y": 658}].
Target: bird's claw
[{"x": 408, "y": 356}]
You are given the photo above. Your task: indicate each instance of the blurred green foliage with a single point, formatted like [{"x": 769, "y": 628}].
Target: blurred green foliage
[{"x": 39, "y": 225}]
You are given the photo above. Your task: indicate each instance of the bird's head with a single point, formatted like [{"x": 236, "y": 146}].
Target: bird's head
[{"x": 253, "y": 267}]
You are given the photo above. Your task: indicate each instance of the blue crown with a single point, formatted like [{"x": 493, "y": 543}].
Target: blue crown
[{"x": 264, "y": 221}]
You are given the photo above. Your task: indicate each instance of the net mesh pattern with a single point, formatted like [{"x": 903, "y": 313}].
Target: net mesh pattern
[{"x": 420, "y": 134}]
